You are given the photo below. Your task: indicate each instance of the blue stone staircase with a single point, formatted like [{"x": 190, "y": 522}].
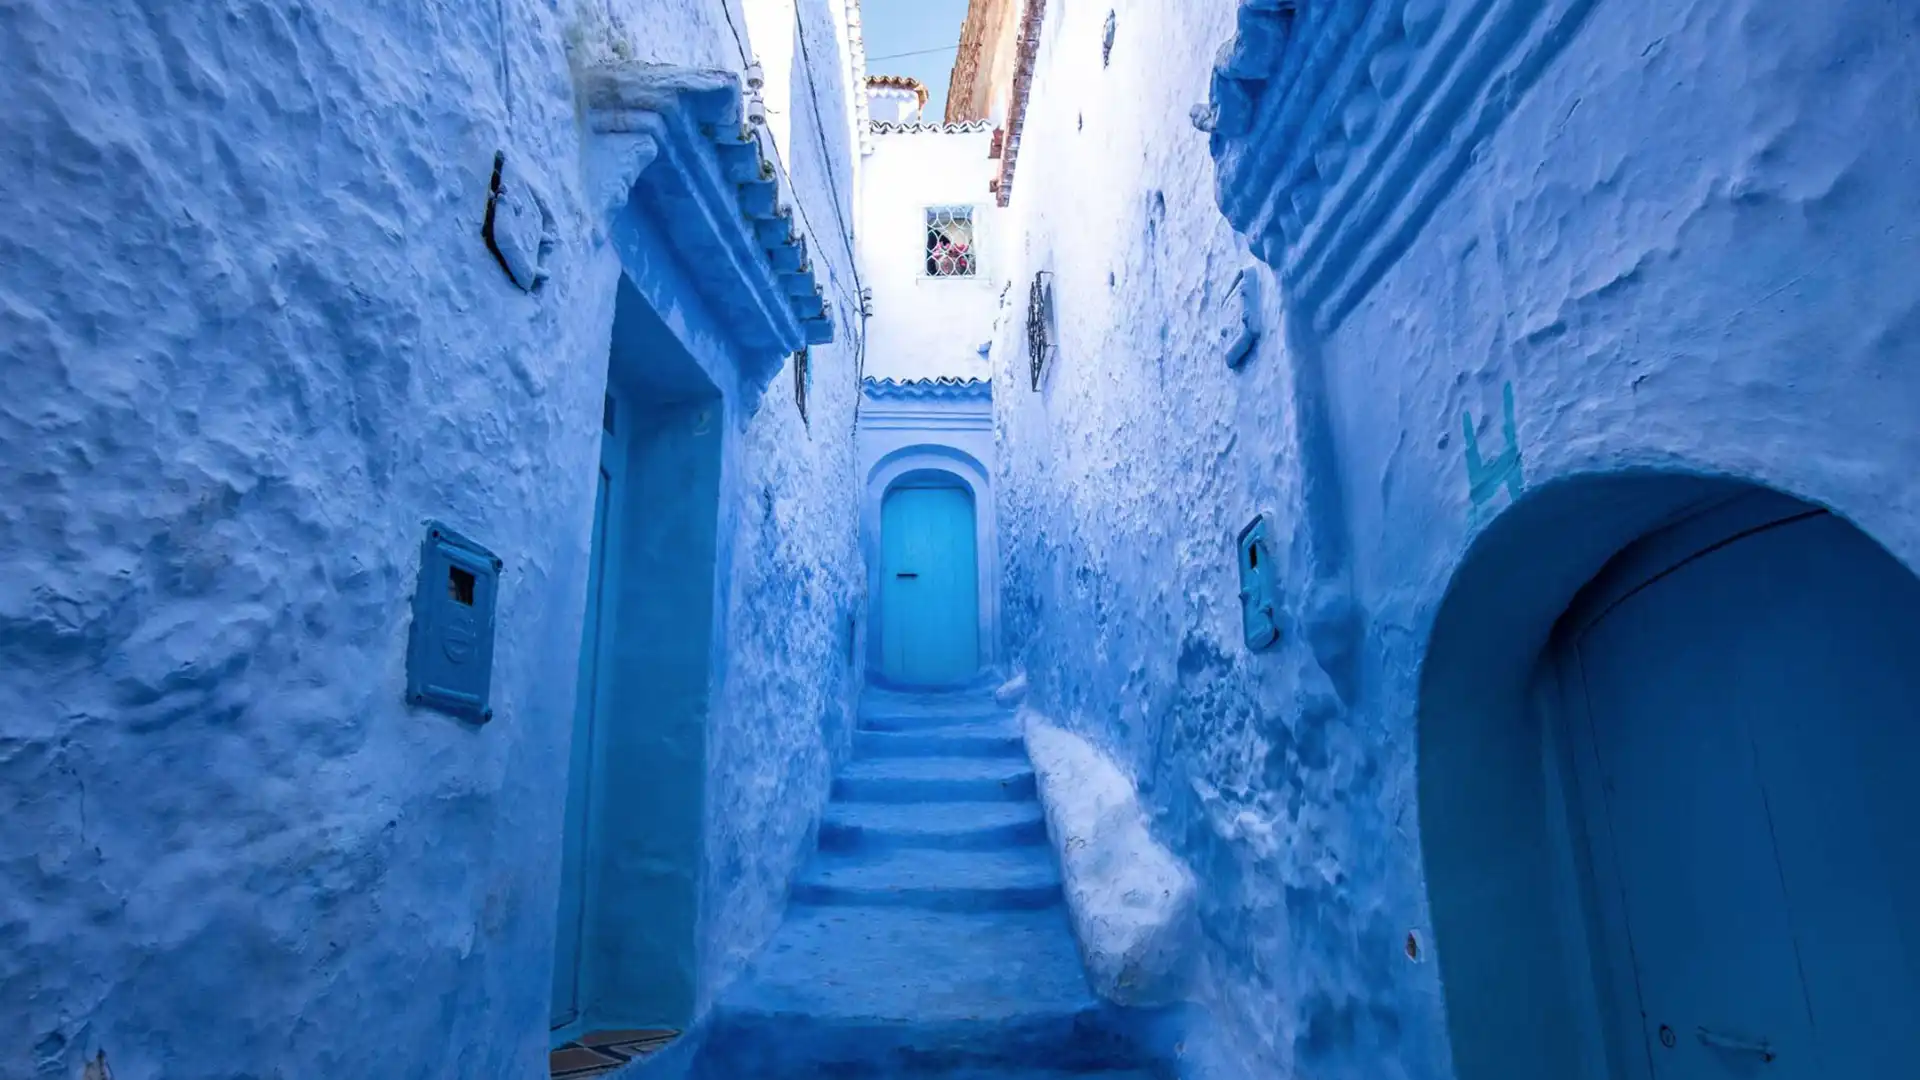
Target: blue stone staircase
[{"x": 928, "y": 939}]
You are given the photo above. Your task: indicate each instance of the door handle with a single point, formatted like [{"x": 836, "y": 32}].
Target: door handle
[
  {"x": 903, "y": 574},
  {"x": 1728, "y": 1042}
]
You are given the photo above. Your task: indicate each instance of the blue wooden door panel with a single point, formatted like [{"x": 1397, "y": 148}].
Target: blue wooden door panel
[
  {"x": 1706, "y": 912},
  {"x": 929, "y": 586},
  {"x": 898, "y": 590},
  {"x": 565, "y": 1006},
  {"x": 1744, "y": 707},
  {"x": 1834, "y": 709}
]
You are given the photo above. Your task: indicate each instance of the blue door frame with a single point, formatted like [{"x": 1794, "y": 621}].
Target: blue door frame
[
  {"x": 566, "y": 1004},
  {"x": 930, "y": 606}
]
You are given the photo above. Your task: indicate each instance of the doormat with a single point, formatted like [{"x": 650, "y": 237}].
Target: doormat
[{"x": 601, "y": 1052}]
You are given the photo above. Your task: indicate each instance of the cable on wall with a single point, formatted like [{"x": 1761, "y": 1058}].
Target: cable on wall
[
  {"x": 826, "y": 153},
  {"x": 853, "y": 302}
]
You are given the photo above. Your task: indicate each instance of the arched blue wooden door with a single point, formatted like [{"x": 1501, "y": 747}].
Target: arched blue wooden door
[
  {"x": 929, "y": 590},
  {"x": 1752, "y": 702}
]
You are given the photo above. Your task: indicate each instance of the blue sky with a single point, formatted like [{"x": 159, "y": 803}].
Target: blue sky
[{"x": 911, "y": 26}]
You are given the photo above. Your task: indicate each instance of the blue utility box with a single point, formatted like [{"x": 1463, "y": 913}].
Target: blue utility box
[
  {"x": 1259, "y": 591},
  {"x": 450, "y": 654}
]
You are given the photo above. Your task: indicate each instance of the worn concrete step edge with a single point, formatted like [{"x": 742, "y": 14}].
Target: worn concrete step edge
[
  {"x": 956, "y": 897},
  {"x": 1007, "y": 879},
  {"x": 957, "y": 826},
  {"x": 800, "y": 1046},
  {"x": 962, "y": 740},
  {"x": 906, "y": 720},
  {"x": 1012, "y": 785}
]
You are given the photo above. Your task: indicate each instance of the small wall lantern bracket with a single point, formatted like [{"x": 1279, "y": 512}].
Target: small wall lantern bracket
[{"x": 519, "y": 228}]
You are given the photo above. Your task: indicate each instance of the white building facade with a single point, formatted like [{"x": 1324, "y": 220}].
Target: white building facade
[{"x": 932, "y": 262}]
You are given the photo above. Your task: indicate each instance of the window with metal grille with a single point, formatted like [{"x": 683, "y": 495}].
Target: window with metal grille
[
  {"x": 1039, "y": 325},
  {"x": 802, "y": 381},
  {"x": 950, "y": 242}
]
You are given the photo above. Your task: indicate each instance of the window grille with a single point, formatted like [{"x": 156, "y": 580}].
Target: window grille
[
  {"x": 802, "y": 381},
  {"x": 1039, "y": 325},
  {"x": 950, "y": 242}
]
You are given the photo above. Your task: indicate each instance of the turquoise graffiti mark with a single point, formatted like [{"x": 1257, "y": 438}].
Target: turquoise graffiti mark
[{"x": 1486, "y": 477}]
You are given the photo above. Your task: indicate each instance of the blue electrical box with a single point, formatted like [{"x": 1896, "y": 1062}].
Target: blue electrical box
[
  {"x": 1241, "y": 318},
  {"x": 450, "y": 655},
  {"x": 1259, "y": 591}
]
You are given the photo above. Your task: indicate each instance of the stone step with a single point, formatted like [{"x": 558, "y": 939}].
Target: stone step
[
  {"x": 894, "y": 993},
  {"x": 935, "y": 779},
  {"x": 875, "y": 719},
  {"x": 982, "y": 739},
  {"x": 884, "y": 710},
  {"x": 1091, "y": 1043},
  {"x": 957, "y": 826},
  {"x": 1022, "y": 1073},
  {"x": 875, "y": 697},
  {"x": 1010, "y": 879}
]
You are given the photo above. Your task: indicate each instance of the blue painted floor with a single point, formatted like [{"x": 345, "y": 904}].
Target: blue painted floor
[{"x": 929, "y": 936}]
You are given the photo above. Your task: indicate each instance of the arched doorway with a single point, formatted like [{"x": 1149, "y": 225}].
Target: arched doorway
[
  {"x": 929, "y": 581},
  {"x": 1665, "y": 811}
]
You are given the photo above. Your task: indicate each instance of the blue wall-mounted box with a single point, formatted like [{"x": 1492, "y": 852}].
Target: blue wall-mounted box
[
  {"x": 450, "y": 655},
  {"x": 1241, "y": 317},
  {"x": 1259, "y": 589}
]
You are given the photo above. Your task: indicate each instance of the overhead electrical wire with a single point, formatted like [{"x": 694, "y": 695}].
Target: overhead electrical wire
[
  {"x": 917, "y": 52},
  {"x": 746, "y": 61},
  {"x": 853, "y": 303}
]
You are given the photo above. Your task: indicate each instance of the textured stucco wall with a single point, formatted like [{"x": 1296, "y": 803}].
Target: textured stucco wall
[
  {"x": 1684, "y": 246},
  {"x": 254, "y": 341},
  {"x": 925, "y": 327},
  {"x": 790, "y": 668}
]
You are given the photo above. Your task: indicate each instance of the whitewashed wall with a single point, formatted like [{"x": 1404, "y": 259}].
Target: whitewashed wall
[{"x": 926, "y": 327}]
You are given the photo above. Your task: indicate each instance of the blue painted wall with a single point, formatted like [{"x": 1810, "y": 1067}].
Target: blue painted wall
[
  {"x": 789, "y": 668},
  {"x": 1670, "y": 239},
  {"x": 255, "y": 342}
]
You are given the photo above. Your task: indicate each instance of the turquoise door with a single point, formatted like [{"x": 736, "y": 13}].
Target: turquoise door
[
  {"x": 573, "y": 851},
  {"x": 929, "y": 589},
  {"x": 1753, "y": 712}
]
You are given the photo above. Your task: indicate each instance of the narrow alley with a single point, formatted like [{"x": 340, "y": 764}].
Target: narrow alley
[{"x": 959, "y": 540}]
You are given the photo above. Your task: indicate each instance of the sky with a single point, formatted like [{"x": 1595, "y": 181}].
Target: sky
[{"x": 893, "y": 27}]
